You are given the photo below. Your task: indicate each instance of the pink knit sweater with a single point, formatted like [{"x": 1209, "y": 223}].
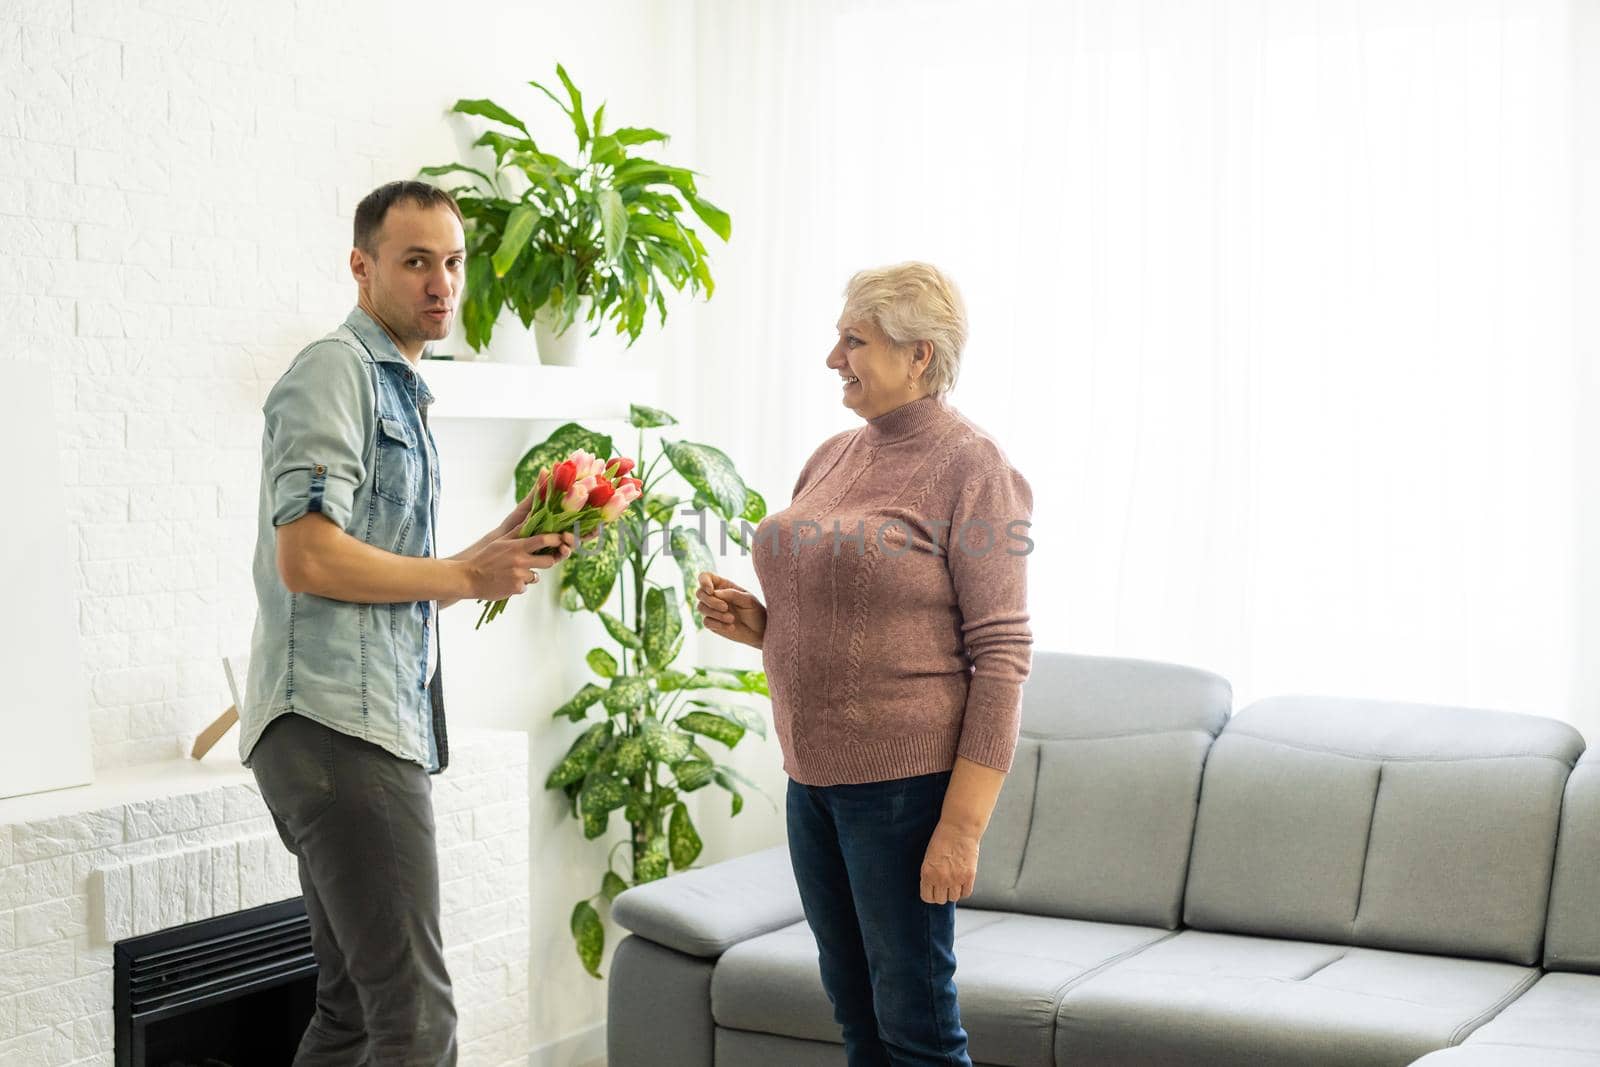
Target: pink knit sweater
[{"x": 896, "y": 587}]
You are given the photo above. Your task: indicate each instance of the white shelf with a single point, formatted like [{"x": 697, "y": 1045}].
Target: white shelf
[{"x": 483, "y": 389}]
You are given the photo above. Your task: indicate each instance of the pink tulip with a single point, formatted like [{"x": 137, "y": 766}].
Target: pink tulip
[
  {"x": 578, "y": 495},
  {"x": 626, "y": 494}
]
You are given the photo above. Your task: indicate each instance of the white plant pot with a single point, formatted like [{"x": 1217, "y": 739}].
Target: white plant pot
[
  {"x": 566, "y": 350},
  {"x": 511, "y": 342}
]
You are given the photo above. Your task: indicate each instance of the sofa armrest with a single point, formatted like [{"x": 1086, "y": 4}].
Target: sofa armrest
[{"x": 705, "y": 912}]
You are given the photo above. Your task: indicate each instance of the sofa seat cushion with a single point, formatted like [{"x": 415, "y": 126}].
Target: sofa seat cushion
[
  {"x": 1560, "y": 1011},
  {"x": 1507, "y": 1056},
  {"x": 1207, "y": 998},
  {"x": 1012, "y": 971}
]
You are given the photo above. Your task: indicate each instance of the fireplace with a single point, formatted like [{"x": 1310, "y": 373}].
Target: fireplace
[{"x": 234, "y": 991}]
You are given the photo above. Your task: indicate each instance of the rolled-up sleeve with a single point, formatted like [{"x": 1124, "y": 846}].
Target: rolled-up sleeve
[
  {"x": 989, "y": 568},
  {"x": 318, "y": 422}
]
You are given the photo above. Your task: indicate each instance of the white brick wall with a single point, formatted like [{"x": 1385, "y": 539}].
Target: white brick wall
[{"x": 73, "y": 884}]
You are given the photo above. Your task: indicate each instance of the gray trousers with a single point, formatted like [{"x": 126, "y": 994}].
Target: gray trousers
[{"x": 360, "y": 821}]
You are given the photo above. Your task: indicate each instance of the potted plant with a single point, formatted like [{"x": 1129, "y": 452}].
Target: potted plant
[
  {"x": 653, "y": 725},
  {"x": 599, "y": 238}
]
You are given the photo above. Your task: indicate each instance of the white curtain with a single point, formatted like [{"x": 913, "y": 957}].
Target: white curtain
[{"x": 1272, "y": 302}]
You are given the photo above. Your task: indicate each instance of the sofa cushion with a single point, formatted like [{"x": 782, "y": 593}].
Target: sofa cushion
[
  {"x": 1096, "y": 819},
  {"x": 1572, "y": 938},
  {"x": 1555, "y": 1022},
  {"x": 1402, "y": 826},
  {"x": 1506, "y": 1056},
  {"x": 1206, "y": 998},
  {"x": 1011, "y": 971},
  {"x": 703, "y": 911}
]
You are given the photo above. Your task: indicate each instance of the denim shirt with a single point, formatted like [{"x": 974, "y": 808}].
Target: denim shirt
[{"x": 346, "y": 435}]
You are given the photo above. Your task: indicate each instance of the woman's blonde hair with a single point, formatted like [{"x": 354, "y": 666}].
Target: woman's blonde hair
[{"x": 913, "y": 302}]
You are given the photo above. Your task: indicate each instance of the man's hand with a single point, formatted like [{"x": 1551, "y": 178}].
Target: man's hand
[
  {"x": 508, "y": 565},
  {"x": 519, "y": 515},
  {"x": 950, "y": 866}
]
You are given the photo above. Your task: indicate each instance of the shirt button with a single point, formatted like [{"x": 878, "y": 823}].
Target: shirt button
[{"x": 320, "y": 469}]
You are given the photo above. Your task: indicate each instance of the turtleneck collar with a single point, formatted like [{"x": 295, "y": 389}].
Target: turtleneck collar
[{"x": 906, "y": 420}]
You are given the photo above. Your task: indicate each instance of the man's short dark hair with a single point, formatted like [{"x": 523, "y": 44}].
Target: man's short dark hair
[{"x": 376, "y": 204}]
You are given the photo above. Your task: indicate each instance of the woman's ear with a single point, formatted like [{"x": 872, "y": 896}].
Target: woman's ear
[{"x": 921, "y": 358}]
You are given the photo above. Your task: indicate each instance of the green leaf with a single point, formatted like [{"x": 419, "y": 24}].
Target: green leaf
[
  {"x": 648, "y": 418},
  {"x": 580, "y": 757},
  {"x": 620, "y": 633},
  {"x": 628, "y": 756},
  {"x": 611, "y": 885},
  {"x": 710, "y": 471},
  {"x": 663, "y": 743},
  {"x": 554, "y": 449},
  {"x": 712, "y": 215},
  {"x": 570, "y": 600},
  {"x": 714, "y": 678},
  {"x": 744, "y": 681},
  {"x": 662, "y": 625},
  {"x": 668, "y": 679},
  {"x": 693, "y": 774},
  {"x": 749, "y": 718},
  {"x": 602, "y": 662},
  {"x": 632, "y": 135},
  {"x": 693, "y": 557},
  {"x": 628, "y": 691},
  {"x": 599, "y": 114},
  {"x": 595, "y": 568},
  {"x": 613, "y": 222},
  {"x": 712, "y": 725},
  {"x": 490, "y": 110},
  {"x": 579, "y": 705},
  {"x": 594, "y": 823},
  {"x": 660, "y": 507},
  {"x": 726, "y": 777},
  {"x": 755, "y": 506},
  {"x": 649, "y": 867},
  {"x": 455, "y": 168},
  {"x": 518, "y": 231},
  {"x": 580, "y": 125},
  {"x": 589, "y": 935},
  {"x": 602, "y": 793},
  {"x": 682, "y": 839}
]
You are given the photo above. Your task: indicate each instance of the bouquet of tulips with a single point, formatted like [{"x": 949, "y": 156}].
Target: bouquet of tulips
[{"x": 581, "y": 493}]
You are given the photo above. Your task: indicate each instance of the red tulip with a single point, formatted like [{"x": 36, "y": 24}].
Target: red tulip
[
  {"x": 561, "y": 478},
  {"x": 600, "y": 494},
  {"x": 620, "y": 466},
  {"x": 544, "y": 480},
  {"x": 636, "y": 483}
]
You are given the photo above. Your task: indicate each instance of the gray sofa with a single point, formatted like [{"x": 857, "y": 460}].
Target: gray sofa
[{"x": 1310, "y": 881}]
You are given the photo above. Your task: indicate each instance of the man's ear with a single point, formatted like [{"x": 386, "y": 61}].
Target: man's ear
[{"x": 360, "y": 268}]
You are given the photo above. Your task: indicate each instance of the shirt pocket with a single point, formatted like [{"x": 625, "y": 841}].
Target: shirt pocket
[{"x": 398, "y": 468}]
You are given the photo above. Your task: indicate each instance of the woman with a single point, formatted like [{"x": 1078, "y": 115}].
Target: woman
[{"x": 895, "y": 639}]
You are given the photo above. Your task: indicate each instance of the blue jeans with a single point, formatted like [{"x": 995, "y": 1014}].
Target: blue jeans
[{"x": 888, "y": 960}]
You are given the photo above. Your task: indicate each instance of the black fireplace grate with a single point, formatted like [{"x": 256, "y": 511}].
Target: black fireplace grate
[{"x": 170, "y": 986}]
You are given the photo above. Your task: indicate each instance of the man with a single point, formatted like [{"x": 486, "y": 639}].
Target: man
[{"x": 343, "y": 717}]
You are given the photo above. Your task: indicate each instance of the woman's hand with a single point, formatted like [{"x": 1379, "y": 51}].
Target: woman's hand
[
  {"x": 730, "y": 610},
  {"x": 950, "y": 866}
]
